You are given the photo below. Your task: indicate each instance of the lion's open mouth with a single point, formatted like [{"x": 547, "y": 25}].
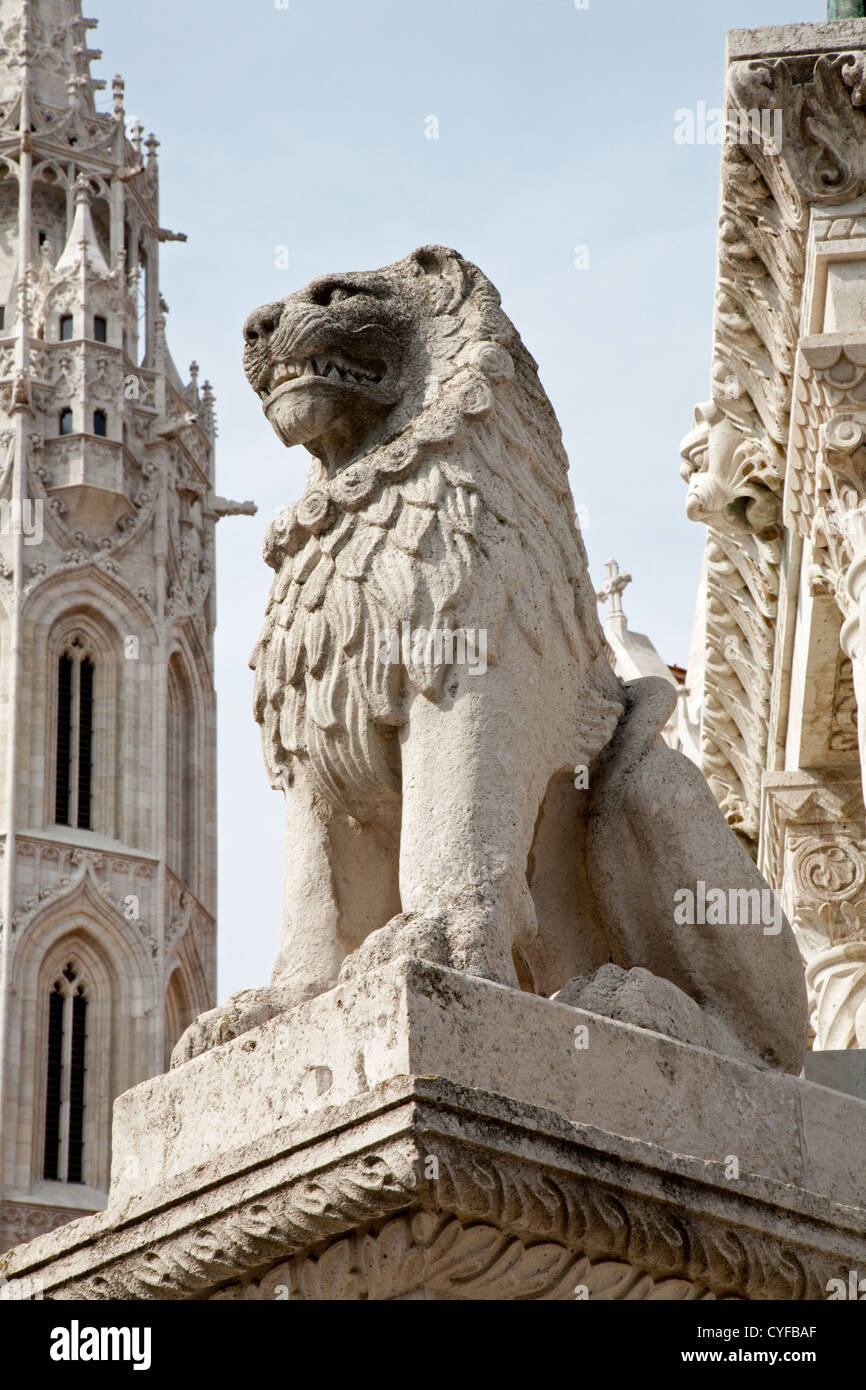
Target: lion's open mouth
[{"x": 330, "y": 367}]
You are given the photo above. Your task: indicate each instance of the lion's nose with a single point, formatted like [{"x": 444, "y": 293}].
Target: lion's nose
[{"x": 262, "y": 322}]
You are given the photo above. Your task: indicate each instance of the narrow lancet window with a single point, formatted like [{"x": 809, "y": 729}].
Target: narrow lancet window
[
  {"x": 73, "y": 795},
  {"x": 65, "y": 1079}
]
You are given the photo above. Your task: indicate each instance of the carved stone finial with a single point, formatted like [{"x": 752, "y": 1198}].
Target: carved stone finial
[
  {"x": 207, "y": 412},
  {"x": 82, "y": 189},
  {"x": 118, "y": 90},
  {"x": 613, "y": 589}
]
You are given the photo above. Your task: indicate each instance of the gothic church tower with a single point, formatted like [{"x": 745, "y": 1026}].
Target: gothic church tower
[{"x": 107, "y": 707}]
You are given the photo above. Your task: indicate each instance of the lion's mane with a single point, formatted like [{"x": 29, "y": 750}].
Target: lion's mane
[{"x": 464, "y": 520}]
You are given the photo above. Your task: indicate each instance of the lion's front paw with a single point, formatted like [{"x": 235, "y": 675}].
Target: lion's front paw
[
  {"x": 407, "y": 935},
  {"x": 449, "y": 939},
  {"x": 243, "y": 1011}
]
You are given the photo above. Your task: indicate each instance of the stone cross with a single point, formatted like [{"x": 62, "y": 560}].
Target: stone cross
[
  {"x": 612, "y": 589},
  {"x": 846, "y": 9}
]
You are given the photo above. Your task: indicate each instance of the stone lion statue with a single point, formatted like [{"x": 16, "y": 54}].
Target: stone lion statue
[{"x": 466, "y": 780}]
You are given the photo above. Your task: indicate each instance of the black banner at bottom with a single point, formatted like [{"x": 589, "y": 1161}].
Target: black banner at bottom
[{"x": 59, "y": 1340}]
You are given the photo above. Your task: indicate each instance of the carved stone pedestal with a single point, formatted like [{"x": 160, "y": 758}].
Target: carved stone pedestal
[{"x": 422, "y": 1134}]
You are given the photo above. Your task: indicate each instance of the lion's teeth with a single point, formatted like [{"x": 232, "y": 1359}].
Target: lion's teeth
[{"x": 332, "y": 368}]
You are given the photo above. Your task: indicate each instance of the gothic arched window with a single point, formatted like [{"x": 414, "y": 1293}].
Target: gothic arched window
[
  {"x": 66, "y": 421},
  {"x": 100, "y": 423},
  {"x": 100, "y": 328},
  {"x": 74, "y": 768},
  {"x": 65, "y": 1078},
  {"x": 179, "y": 1012},
  {"x": 182, "y": 776},
  {"x": 66, "y": 328}
]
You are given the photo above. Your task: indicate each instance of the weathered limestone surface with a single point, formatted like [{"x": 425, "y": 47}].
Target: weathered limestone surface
[
  {"x": 418, "y": 1132},
  {"x": 842, "y": 1069},
  {"x": 772, "y": 39}
]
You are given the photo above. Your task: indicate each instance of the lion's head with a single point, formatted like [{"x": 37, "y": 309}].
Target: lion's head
[
  {"x": 438, "y": 497},
  {"x": 343, "y": 364},
  {"x": 350, "y": 362},
  {"x": 332, "y": 362}
]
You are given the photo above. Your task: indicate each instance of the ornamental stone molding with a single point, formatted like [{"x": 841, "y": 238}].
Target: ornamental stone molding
[
  {"x": 20, "y": 1221},
  {"x": 452, "y": 1259},
  {"x": 408, "y": 1147}
]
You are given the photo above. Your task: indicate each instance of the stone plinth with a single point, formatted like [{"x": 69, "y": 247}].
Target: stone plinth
[{"x": 419, "y": 1133}]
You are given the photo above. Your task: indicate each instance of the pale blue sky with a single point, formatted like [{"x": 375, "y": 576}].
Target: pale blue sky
[{"x": 305, "y": 127}]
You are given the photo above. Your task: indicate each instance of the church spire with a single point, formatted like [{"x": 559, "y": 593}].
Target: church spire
[
  {"x": 55, "y": 32},
  {"x": 107, "y": 613},
  {"x": 83, "y": 243}
]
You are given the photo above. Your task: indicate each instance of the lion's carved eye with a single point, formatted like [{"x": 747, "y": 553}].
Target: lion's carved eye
[{"x": 331, "y": 292}]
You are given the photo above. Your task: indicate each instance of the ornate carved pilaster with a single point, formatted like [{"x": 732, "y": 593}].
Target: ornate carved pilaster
[
  {"x": 796, "y": 145},
  {"x": 825, "y": 498},
  {"x": 814, "y": 855}
]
